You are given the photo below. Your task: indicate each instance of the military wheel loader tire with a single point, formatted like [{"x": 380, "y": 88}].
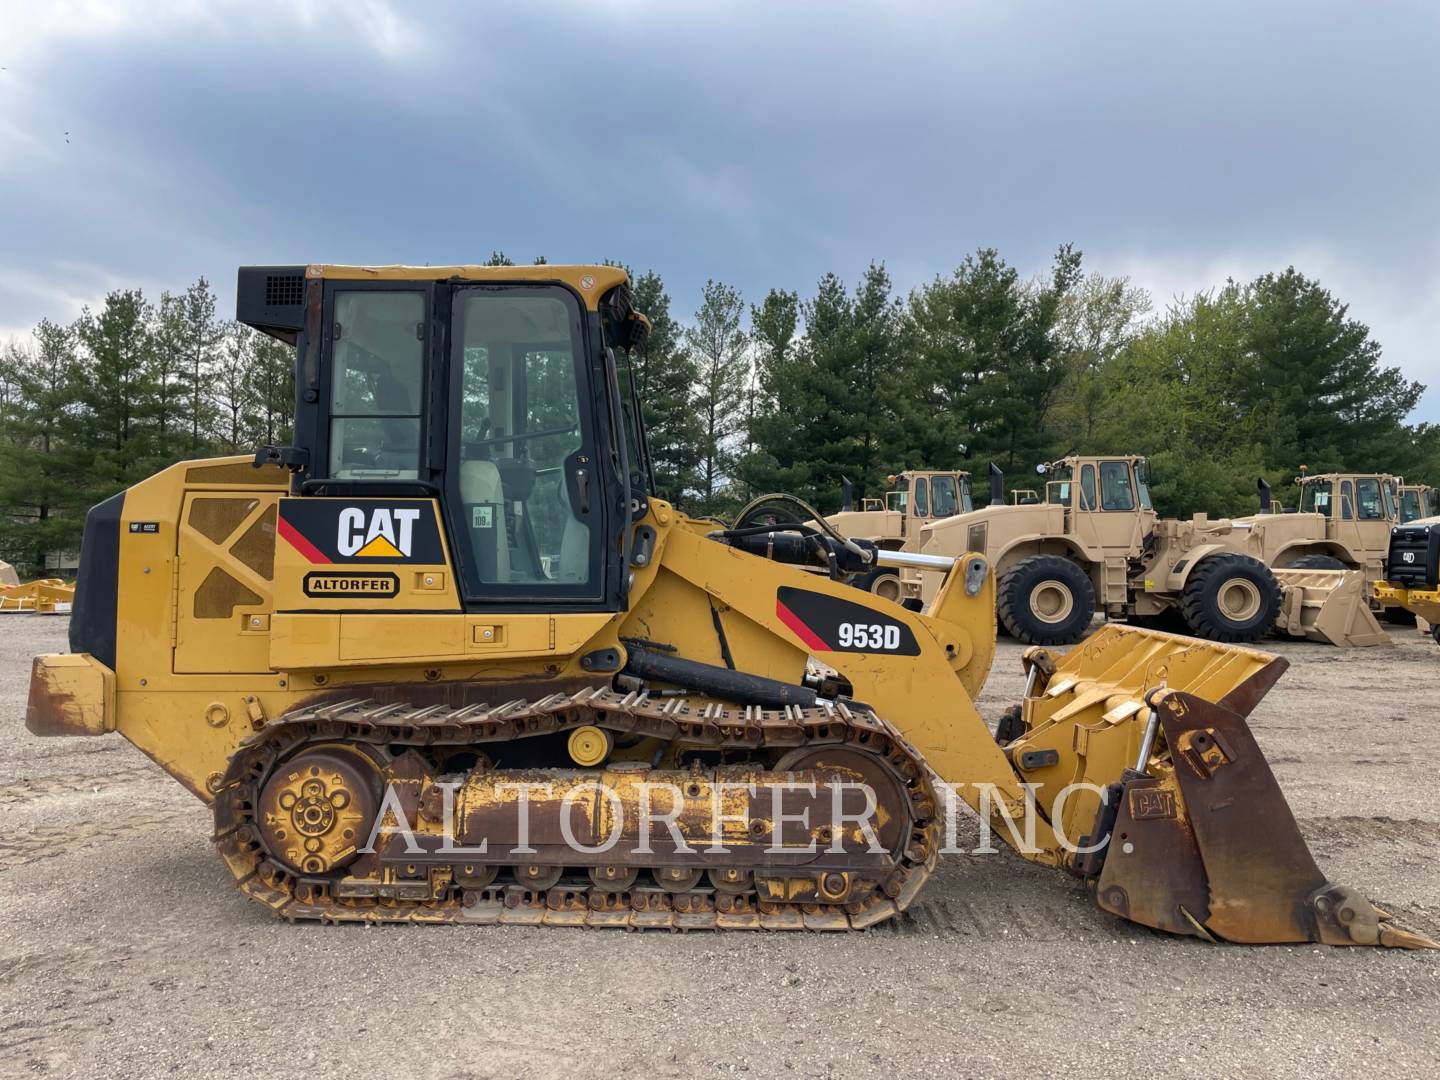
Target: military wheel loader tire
[
  {"x": 1231, "y": 597},
  {"x": 1435, "y": 633},
  {"x": 1317, "y": 562},
  {"x": 882, "y": 582},
  {"x": 1045, "y": 600}
]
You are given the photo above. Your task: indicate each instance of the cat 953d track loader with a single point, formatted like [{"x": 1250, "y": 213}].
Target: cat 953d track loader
[{"x": 448, "y": 659}]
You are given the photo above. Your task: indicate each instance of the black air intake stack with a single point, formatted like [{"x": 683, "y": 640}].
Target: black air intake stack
[
  {"x": 997, "y": 485},
  {"x": 1264, "y": 490},
  {"x": 847, "y": 495}
]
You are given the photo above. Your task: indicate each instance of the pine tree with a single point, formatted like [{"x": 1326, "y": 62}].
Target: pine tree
[
  {"x": 989, "y": 368},
  {"x": 272, "y": 383},
  {"x": 1320, "y": 393},
  {"x": 109, "y": 433},
  {"x": 664, "y": 374},
  {"x": 773, "y": 325},
  {"x": 233, "y": 394},
  {"x": 35, "y": 486},
  {"x": 832, "y": 397},
  {"x": 169, "y": 364},
  {"x": 719, "y": 349},
  {"x": 200, "y": 335}
]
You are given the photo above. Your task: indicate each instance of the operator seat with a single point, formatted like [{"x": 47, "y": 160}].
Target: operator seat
[{"x": 480, "y": 488}]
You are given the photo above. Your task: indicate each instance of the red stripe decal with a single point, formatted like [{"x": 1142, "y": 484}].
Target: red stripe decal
[
  {"x": 800, "y": 630},
  {"x": 299, "y": 543}
]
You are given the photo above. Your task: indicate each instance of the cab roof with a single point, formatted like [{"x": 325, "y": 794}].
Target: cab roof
[{"x": 590, "y": 280}]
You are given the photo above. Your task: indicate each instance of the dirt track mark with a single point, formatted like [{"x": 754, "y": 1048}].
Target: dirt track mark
[
  {"x": 1354, "y": 831},
  {"x": 27, "y": 789},
  {"x": 50, "y": 841}
]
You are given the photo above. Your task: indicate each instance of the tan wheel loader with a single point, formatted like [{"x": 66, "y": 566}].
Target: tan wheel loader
[
  {"x": 893, "y": 522},
  {"x": 448, "y": 659},
  {"x": 1418, "y": 501},
  {"x": 1095, "y": 543}
]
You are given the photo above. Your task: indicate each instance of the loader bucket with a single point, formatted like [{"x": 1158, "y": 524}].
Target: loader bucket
[
  {"x": 1329, "y": 606},
  {"x": 1194, "y": 835},
  {"x": 1209, "y": 846}
]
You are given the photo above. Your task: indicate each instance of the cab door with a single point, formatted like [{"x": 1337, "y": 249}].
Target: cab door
[
  {"x": 1375, "y": 515},
  {"x": 531, "y": 468}
]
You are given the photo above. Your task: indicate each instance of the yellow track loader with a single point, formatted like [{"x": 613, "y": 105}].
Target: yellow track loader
[
  {"x": 1412, "y": 572},
  {"x": 447, "y": 658}
]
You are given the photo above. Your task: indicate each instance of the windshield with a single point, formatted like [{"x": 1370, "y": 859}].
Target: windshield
[
  {"x": 1315, "y": 497},
  {"x": 1409, "y": 506},
  {"x": 942, "y": 496}
]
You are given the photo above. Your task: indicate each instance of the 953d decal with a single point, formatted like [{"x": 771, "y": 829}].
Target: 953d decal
[
  {"x": 828, "y": 624},
  {"x": 361, "y": 531}
]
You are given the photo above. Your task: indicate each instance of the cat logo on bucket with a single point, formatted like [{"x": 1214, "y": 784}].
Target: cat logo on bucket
[{"x": 385, "y": 533}]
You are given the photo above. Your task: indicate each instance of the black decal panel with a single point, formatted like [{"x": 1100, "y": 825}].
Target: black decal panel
[
  {"x": 345, "y": 583},
  {"x": 359, "y": 531},
  {"x": 828, "y": 624}
]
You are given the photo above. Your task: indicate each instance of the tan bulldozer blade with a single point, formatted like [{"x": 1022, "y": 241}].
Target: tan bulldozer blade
[{"x": 1329, "y": 606}]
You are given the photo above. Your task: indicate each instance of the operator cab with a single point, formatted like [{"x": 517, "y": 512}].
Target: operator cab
[
  {"x": 1119, "y": 484},
  {"x": 497, "y": 390},
  {"x": 1418, "y": 501},
  {"x": 1342, "y": 497},
  {"x": 925, "y": 494}
]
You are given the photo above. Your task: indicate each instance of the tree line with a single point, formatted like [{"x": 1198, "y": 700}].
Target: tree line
[
  {"x": 791, "y": 393},
  {"x": 1246, "y": 380},
  {"x": 89, "y": 408}
]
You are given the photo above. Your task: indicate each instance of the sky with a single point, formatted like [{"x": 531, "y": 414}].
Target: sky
[{"x": 761, "y": 144}]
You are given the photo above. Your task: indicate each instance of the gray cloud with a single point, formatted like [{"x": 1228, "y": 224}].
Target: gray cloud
[{"x": 762, "y": 144}]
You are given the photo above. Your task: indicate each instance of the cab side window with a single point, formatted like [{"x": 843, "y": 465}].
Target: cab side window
[
  {"x": 1367, "y": 501},
  {"x": 1116, "y": 492},
  {"x": 1347, "y": 500},
  {"x": 1087, "y": 487},
  {"x": 378, "y": 387},
  {"x": 922, "y": 501}
]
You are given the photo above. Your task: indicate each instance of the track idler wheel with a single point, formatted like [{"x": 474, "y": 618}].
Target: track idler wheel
[{"x": 317, "y": 809}]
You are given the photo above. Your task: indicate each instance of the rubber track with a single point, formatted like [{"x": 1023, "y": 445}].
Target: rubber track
[{"x": 707, "y": 726}]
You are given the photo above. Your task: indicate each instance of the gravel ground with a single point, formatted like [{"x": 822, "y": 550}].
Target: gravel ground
[{"x": 125, "y": 951}]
